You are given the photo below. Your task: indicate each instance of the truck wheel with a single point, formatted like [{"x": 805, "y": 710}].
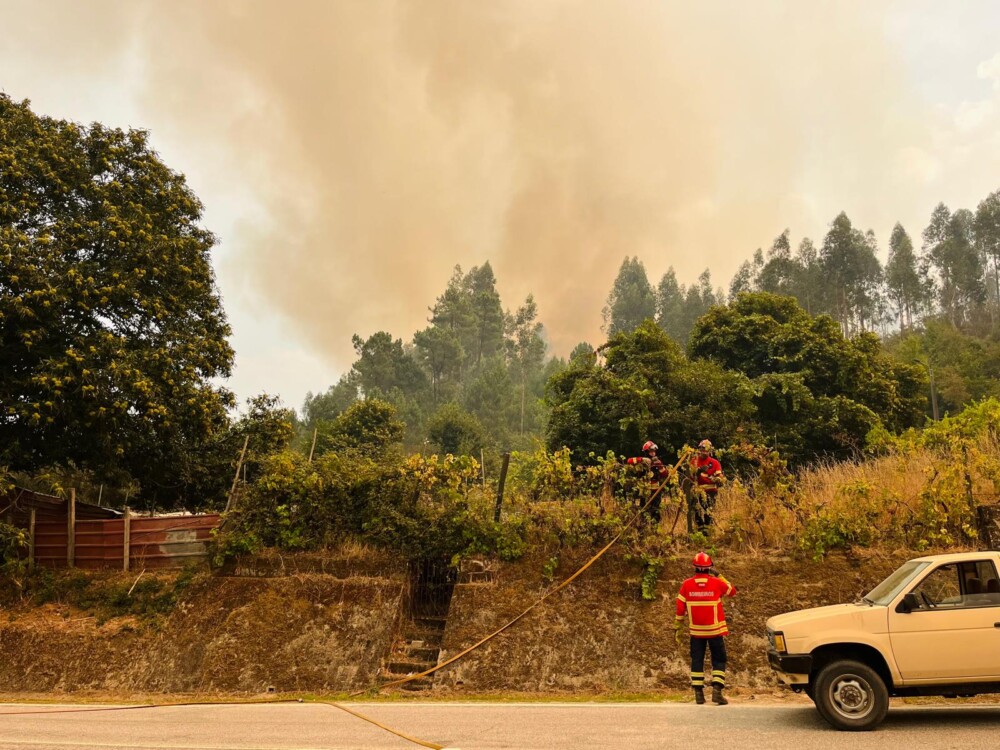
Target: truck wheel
[{"x": 851, "y": 696}]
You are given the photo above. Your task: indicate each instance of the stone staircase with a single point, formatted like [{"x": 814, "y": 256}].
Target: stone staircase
[
  {"x": 416, "y": 651},
  {"x": 432, "y": 583}
]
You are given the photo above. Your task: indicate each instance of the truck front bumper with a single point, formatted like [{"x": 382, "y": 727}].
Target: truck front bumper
[{"x": 792, "y": 669}]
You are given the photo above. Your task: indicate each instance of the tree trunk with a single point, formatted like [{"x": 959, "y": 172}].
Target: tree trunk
[{"x": 522, "y": 404}]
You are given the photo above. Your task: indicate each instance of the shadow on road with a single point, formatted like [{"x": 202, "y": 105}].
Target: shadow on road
[
  {"x": 939, "y": 718},
  {"x": 899, "y": 718}
]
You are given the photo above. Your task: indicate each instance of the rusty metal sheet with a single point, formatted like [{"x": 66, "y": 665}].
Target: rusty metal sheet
[
  {"x": 171, "y": 541},
  {"x": 156, "y": 542}
]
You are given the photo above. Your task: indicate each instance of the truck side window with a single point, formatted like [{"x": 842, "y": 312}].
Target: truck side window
[
  {"x": 940, "y": 589},
  {"x": 982, "y": 586},
  {"x": 953, "y": 586}
]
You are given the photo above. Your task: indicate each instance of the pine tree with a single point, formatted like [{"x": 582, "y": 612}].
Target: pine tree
[
  {"x": 525, "y": 351},
  {"x": 949, "y": 247},
  {"x": 809, "y": 287},
  {"x": 987, "y": 232},
  {"x": 484, "y": 301},
  {"x": 631, "y": 300},
  {"x": 779, "y": 273},
  {"x": 908, "y": 287},
  {"x": 670, "y": 306},
  {"x": 853, "y": 274}
]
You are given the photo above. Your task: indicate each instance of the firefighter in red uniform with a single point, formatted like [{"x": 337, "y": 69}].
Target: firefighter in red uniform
[
  {"x": 700, "y": 598},
  {"x": 708, "y": 477},
  {"x": 659, "y": 473}
]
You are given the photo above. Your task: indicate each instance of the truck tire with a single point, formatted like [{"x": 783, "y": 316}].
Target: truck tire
[{"x": 851, "y": 696}]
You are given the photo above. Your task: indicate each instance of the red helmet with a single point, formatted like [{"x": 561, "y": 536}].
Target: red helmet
[
  {"x": 702, "y": 560},
  {"x": 649, "y": 445}
]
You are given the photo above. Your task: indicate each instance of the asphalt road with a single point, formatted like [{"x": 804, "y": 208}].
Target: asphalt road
[{"x": 471, "y": 726}]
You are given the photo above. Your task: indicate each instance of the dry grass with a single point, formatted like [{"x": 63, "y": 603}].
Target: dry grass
[{"x": 916, "y": 497}]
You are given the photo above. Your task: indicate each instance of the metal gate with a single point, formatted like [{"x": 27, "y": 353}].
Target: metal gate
[{"x": 431, "y": 585}]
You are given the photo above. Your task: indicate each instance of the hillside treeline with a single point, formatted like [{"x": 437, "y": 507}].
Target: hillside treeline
[{"x": 114, "y": 342}]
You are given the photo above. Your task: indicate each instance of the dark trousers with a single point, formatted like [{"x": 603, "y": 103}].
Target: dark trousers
[
  {"x": 717, "y": 646},
  {"x": 653, "y": 509},
  {"x": 701, "y": 507}
]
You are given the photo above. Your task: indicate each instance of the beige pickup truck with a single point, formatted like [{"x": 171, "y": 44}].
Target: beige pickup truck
[{"x": 930, "y": 628}]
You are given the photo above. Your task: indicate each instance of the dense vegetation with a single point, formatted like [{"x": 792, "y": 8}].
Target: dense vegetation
[{"x": 113, "y": 338}]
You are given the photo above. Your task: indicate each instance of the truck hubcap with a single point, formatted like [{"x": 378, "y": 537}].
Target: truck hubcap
[{"x": 851, "y": 696}]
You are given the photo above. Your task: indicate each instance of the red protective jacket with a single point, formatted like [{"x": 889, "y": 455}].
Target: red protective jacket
[
  {"x": 701, "y": 598},
  {"x": 710, "y": 468},
  {"x": 655, "y": 465}
]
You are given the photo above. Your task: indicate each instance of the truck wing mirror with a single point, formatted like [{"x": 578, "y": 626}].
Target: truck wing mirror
[{"x": 909, "y": 603}]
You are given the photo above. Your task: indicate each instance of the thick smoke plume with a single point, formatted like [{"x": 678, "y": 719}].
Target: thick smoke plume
[{"x": 381, "y": 142}]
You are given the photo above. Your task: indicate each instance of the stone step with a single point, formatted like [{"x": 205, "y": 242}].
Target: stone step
[
  {"x": 401, "y": 667},
  {"x": 428, "y": 637},
  {"x": 421, "y": 683},
  {"x": 430, "y": 622},
  {"x": 421, "y": 653},
  {"x": 424, "y": 683}
]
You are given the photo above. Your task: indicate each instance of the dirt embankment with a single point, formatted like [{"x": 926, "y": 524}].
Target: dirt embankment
[
  {"x": 599, "y": 635},
  {"x": 307, "y": 632},
  {"x": 320, "y": 632}
]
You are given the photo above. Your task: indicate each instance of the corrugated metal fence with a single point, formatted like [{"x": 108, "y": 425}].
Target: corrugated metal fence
[{"x": 64, "y": 533}]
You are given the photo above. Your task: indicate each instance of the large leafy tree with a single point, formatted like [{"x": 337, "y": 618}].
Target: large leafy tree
[
  {"x": 631, "y": 299},
  {"x": 817, "y": 391},
  {"x": 111, "y": 328},
  {"x": 646, "y": 389},
  {"x": 370, "y": 426}
]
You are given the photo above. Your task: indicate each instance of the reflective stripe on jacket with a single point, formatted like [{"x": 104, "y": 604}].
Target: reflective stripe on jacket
[{"x": 700, "y": 598}]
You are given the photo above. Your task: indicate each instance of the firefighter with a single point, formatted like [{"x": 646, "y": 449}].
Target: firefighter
[
  {"x": 659, "y": 472},
  {"x": 700, "y": 598},
  {"x": 707, "y": 476}
]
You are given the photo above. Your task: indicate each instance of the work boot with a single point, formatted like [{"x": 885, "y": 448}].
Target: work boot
[
  {"x": 699, "y": 696},
  {"x": 717, "y": 697}
]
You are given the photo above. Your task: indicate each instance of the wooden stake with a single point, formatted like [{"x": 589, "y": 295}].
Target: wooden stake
[
  {"x": 315, "y": 431},
  {"x": 127, "y": 546},
  {"x": 500, "y": 484},
  {"x": 236, "y": 477},
  {"x": 71, "y": 529}
]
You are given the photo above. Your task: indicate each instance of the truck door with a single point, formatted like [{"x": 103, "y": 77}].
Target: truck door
[{"x": 953, "y": 633}]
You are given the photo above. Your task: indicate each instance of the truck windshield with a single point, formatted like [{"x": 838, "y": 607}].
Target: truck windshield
[{"x": 886, "y": 591}]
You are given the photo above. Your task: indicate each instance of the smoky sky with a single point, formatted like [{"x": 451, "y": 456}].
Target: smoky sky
[{"x": 380, "y": 142}]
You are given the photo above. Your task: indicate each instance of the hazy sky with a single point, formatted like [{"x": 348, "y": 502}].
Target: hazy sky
[{"x": 351, "y": 152}]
